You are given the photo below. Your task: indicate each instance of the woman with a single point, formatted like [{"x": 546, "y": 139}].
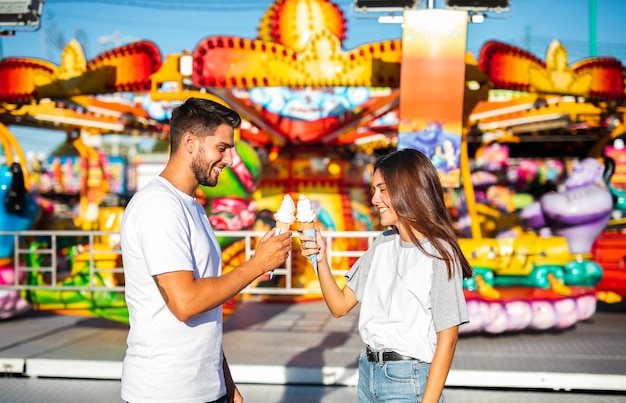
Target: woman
[{"x": 409, "y": 284}]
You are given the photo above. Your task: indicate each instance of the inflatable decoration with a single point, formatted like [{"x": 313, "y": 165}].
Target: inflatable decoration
[
  {"x": 579, "y": 213},
  {"x": 101, "y": 303},
  {"x": 547, "y": 279},
  {"x": 231, "y": 207},
  {"x": 18, "y": 212},
  {"x": 521, "y": 309},
  {"x": 106, "y": 258},
  {"x": 520, "y": 284},
  {"x": 11, "y": 302}
]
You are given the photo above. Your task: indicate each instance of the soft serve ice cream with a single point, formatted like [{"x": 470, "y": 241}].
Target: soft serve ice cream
[
  {"x": 306, "y": 217},
  {"x": 285, "y": 216}
]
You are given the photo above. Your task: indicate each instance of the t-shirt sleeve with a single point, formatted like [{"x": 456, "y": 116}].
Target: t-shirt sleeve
[
  {"x": 356, "y": 280},
  {"x": 447, "y": 299}
]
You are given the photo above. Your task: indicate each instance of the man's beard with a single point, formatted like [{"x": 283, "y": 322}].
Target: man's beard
[{"x": 202, "y": 171}]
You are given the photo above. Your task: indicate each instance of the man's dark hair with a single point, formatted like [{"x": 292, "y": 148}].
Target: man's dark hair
[{"x": 200, "y": 117}]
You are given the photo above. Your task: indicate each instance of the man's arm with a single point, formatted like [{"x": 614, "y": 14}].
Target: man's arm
[{"x": 186, "y": 296}]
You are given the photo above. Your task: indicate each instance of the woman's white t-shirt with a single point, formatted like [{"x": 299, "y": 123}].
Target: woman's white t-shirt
[{"x": 406, "y": 297}]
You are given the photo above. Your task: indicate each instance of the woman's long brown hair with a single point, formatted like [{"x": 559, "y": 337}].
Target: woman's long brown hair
[{"x": 416, "y": 194}]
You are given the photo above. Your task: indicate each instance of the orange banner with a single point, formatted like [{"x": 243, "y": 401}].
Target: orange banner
[{"x": 432, "y": 83}]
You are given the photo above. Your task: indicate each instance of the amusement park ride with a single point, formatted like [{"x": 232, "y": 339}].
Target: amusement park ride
[{"x": 315, "y": 114}]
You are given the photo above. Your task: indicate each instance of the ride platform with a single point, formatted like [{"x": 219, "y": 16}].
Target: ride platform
[{"x": 301, "y": 343}]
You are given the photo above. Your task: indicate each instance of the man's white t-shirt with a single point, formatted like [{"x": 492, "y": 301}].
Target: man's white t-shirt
[{"x": 166, "y": 230}]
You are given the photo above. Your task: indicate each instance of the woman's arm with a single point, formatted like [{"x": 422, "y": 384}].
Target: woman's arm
[
  {"x": 232, "y": 393},
  {"x": 442, "y": 361},
  {"x": 339, "y": 301}
]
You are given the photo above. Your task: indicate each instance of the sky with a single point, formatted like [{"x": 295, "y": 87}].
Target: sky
[{"x": 175, "y": 26}]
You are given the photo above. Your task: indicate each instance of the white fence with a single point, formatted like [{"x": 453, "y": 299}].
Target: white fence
[{"x": 54, "y": 256}]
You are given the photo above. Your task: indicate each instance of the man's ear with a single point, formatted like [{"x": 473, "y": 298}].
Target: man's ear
[{"x": 187, "y": 141}]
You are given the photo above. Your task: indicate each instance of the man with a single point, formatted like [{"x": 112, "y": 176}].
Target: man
[{"x": 172, "y": 267}]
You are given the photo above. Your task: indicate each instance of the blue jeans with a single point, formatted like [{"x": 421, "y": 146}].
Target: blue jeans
[{"x": 392, "y": 381}]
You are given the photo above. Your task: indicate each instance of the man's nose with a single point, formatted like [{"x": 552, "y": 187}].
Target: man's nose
[{"x": 228, "y": 157}]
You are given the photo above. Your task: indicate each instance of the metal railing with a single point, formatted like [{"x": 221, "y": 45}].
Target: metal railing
[{"x": 50, "y": 259}]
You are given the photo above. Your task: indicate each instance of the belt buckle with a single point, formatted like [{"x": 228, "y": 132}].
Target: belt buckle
[{"x": 375, "y": 356}]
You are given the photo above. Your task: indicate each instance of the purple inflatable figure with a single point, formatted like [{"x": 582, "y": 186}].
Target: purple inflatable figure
[{"x": 580, "y": 212}]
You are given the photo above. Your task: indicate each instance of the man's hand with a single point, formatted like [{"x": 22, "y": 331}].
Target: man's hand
[{"x": 272, "y": 251}]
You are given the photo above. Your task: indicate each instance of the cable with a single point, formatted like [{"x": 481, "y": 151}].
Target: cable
[{"x": 206, "y": 5}]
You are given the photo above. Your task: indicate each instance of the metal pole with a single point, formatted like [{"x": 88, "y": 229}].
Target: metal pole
[
  {"x": 593, "y": 49},
  {"x": 527, "y": 37}
]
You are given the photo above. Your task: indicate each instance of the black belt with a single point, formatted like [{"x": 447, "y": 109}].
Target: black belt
[{"x": 384, "y": 356}]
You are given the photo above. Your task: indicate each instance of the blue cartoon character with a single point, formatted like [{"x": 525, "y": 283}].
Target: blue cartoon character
[{"x": 440, "y": 146}]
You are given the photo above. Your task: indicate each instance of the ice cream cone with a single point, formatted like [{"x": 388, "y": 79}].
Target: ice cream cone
[
  {"x": 306, "y": 217},
  {"x": 308, "y": 229},
  {"x": 285, "y": 216},
  {"x": 282, "y": 227}
]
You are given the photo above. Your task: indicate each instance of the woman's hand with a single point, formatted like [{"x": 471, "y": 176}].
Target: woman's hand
[
  {"x": 310, "y": 246},
  {"x": 339, "y": 300},
  {"x": 236, "y": 398}
]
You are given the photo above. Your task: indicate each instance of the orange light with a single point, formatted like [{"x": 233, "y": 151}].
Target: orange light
[
  {"x": 273, "y": 155},
  {"x": 334, "y": 168}
]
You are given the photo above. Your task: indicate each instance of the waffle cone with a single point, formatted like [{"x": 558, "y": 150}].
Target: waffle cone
[
  {"x": 307, "y": 225},
  {"x": 283, "y": 225}
]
